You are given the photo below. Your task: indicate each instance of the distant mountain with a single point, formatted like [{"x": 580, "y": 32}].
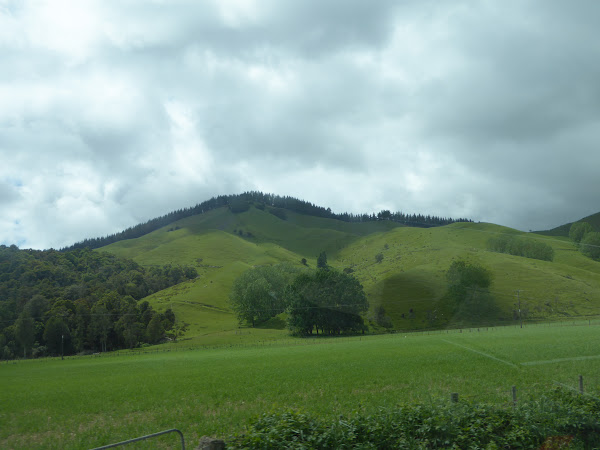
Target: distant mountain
[
  {"x": 563, "y": 230},
  {"x": 242, "y": 202}
]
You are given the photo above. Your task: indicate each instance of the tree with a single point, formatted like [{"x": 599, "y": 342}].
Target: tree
[
  {"x": 155, "y": 330},
  {"x": 381, "y": 318},
  {"x": 37, "y": 306},
  {"x": 468, "y": 298},
  {"x": 590, "y": 245},
  {"x": 578, "y": 230},
  {"x": 100, "y": 325},
  {"x": 257, "y": 294},
  {"x": 322, "y": 260},
  {"x": 379, "y": 257},
  {"x": 326, "y": 300},
  {"x": 25, "y": 332},
  {"x": 462, "y": 274},
  {"x": 57, "y": 336}
]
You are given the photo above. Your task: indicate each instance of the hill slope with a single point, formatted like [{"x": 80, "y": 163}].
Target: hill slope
[
  {"x": 409, "y": 282},
  {"x": 563, "y": 230}
]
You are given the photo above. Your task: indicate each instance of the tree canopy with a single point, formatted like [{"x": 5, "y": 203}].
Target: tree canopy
[
  {"x": 322, "y": 260},
  {"x": 468, "y": 299},
  {"x": 258, "y": 294},
  {"x": 93, "y": 299},
  {"x": 590, "y": 245},
  {"x": 578, "y": 230},
  {"x": 519, "y": 246},
  {"x": 326, "y": 300}
]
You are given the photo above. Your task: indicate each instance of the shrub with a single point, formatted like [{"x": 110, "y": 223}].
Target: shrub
[
  {"x": 527, "y": 248},
  {"x": 561, "y": 414},
  {"x": 590, "y": 245}
]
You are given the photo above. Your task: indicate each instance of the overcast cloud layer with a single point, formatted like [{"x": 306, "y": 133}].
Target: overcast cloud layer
[{"x": 115, "y": 112}]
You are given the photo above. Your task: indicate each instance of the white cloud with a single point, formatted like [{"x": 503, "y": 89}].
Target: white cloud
[{"x": 114, "y": 113}]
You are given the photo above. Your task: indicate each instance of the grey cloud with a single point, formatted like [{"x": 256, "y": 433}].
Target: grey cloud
[
  {"x": 309, "y": 28},
  {"x": 482, "y": 110},
  {"x": 8, "y": 193}
]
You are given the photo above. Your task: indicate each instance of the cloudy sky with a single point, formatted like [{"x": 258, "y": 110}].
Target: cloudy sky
[{"x": 115, "y": 112}]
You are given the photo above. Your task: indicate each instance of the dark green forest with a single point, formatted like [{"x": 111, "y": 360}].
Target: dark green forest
[
  {"x": 241, "y": 202},
  {"x": 76, "y": 301}
]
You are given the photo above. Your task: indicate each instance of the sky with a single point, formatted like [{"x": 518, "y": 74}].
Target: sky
[{"x": 113, "y": 112}]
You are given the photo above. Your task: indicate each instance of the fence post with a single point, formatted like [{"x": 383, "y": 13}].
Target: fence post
[
  {"x": 581, "y": 384},
  {"x": 514, "y": 396}
]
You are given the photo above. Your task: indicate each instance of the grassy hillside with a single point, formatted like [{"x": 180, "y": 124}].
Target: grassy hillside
[
  {"x": 409, "y": 282},
  {"x": 563, "y": 230},
  {"x": 412, "y": 273}
]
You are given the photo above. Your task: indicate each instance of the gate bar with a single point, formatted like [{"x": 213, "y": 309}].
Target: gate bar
[{"x": 142, "y": 438}]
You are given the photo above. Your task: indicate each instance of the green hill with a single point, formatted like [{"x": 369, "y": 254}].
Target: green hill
[
  {"x": 563, "y": 230},
  {"x": 409, "y": 282}
]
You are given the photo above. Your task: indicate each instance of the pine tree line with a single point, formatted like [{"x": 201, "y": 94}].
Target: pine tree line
[{"x": 243, "y": 201}]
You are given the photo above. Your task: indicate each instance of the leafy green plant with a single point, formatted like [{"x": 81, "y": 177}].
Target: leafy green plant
[{"x": 560, "y": 414}]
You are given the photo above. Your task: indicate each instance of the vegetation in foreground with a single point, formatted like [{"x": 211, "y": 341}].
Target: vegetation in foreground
[
  {"x": 559, "y": 419},
  {"x": 87, "y": 402}
]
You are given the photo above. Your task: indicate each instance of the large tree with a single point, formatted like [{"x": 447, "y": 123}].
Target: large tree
[
  {"x": 326, "y": 300},
  {"x": 468, "y": 299},
  {"x": 100, "y": 325},
  {"x": 322, "y": 260},
  {"x": 590, "y": 245},
  {"x": 578, "y": 230},
  {"x": 258, "y": 294},
  {"x": 155, "y": 330},
  {"x": 57, "y": 336},
  {"x": 25, "y": 331}
]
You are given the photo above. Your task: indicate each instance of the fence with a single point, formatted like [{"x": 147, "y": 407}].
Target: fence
[{"x": 313, "y": 340}]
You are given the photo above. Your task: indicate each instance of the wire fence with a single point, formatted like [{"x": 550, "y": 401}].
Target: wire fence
[{"x": 317, "y": 339}]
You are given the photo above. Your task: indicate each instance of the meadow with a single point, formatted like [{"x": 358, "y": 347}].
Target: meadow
[
  {"x": 411, "y": 275},
  {"x": 84, "y": 402}
]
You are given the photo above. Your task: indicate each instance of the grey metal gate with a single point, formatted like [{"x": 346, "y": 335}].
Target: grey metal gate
[{"x": 143, "y": 438}]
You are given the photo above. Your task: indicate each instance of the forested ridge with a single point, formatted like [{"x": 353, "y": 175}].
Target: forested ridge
[
  {"x": 241, "y": 202},
  {"x": 67, "y": 302}
]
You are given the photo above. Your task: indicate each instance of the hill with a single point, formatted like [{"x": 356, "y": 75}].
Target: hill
[
  {"x": 563, "y": 230},
  {"x": 409, "y": 282},
  {"x": 275, "y": 204}
]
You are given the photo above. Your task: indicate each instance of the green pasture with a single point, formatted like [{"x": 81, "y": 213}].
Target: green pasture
[
  {"x": 92, "y": 401},
  {"x": 411, "y": 275}
]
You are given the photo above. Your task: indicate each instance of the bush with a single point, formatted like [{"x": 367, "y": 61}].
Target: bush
[
  {"x": 578, "y": 231},
  {"x": 590, "y": 245},
  {"x": 560, "y": 414},
  {"x": 527, "y": 248}
]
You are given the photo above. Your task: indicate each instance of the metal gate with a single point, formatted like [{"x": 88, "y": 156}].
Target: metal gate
[{"x": 143, "y": 438}]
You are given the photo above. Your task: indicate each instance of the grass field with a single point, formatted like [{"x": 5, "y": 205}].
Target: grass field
[{"x": 92, "y": 401}]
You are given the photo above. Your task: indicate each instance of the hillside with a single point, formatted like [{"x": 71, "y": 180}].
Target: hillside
[
  {"x": 563, "y": 230},
  {"x": 409, "y": 282},
  {"x": 270, "y": 202}
]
